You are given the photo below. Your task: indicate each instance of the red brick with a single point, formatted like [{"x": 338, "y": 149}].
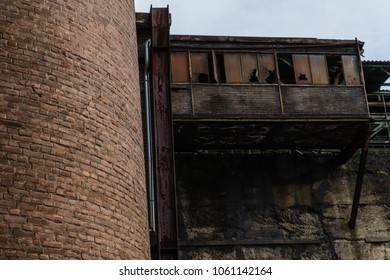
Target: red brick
[{"x": 68, "y": 146}]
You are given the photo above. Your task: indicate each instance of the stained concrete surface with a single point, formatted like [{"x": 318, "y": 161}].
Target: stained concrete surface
[{"x": 281, "y": 206}]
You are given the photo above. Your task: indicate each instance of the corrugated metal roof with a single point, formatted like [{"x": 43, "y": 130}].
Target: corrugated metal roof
[{"x": 376, "y": 62}]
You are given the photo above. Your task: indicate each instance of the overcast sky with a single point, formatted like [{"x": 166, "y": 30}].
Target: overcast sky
[{"x": 369, "y": 21}]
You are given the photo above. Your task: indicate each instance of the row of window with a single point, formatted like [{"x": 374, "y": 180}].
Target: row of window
[{"x": 218, "y": 67}]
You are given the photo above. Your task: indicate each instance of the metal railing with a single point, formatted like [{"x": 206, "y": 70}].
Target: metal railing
[{"x": 379, "y": 105}]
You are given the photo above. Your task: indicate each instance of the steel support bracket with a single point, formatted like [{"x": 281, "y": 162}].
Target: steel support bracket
[{"x": 359, "y": 181}]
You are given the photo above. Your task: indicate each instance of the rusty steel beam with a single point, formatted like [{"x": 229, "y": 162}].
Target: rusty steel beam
[
  {"x": 163, "y": 137},
  {"x": 359, "y": 181}
]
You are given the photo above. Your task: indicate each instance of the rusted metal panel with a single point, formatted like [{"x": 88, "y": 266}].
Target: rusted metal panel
[
  {"x": 200, "y": 67},
  {"x": 179, "y": 67},
  {"x": 302, "y": 69},
  {"x": 319, "y": 69},
  {"x": 249, "y": 68},
  {"x": 160, "y": 20},
  {"x": 351, "y": 69},
  {"x": 267, "y": 71},
  {"x": 232, "y": 68},
  {"x": 163, "y": 140}
]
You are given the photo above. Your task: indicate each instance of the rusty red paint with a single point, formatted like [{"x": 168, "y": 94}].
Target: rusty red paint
[
  {"x": 179, "y": 65},
  {"x": 164, "y": 152}
]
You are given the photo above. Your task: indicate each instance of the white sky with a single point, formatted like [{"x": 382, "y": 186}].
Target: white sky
[{"x": 369, "y": 21}]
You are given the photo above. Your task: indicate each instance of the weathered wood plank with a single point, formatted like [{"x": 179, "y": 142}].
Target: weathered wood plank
[
  {"x": 263, "y": 101},
  {"x": 324, "y": 101},
  {"x": 236, "y": 100}
]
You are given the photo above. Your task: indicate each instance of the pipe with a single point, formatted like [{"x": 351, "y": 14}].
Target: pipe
[{"x": 149, "y": 145}]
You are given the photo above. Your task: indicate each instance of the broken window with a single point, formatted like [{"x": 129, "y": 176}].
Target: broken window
[
  {"x": 220, "y": 67},
  {"x": 267, "y": 72},
  {"x": 203, "y": 68},
  {"x": 250, "y": 72},
  {"x": 335, "y": 70},
  {"x": 286, "y": 69},
  {"x": 351, "y": 69},
  {"x": 302, "y": 69},
  {"x": 179, "y": 67},
  {"x": 243, "y": 68},
  {"x": 212, "y": 67},
  {"x": 200, "y": 67}
]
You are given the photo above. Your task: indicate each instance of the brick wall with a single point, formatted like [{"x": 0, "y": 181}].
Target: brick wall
[{"x": 71, "y": 156}]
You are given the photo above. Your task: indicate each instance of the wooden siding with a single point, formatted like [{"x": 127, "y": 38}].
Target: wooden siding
[
  {"x": 244, "y": 101},
  {"x": 181, "y": 100},
  {"x": 229, "y": 100},
  {"x": 324, "y": 101}
]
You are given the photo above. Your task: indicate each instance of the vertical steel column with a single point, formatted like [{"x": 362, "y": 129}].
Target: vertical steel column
[
  {"x": 163, "y": 139},
  {"x": 359, "y": 181}
]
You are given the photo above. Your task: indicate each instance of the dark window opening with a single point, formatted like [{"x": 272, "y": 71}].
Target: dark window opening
[
  {"x": 271, "y": 78},
  {"x": 220, "y": 65},
  {"x": 335, "y": 70},
  {"x": 203, "y": 78},
  {"x": 254, "y": 76},
  {"x": 302, "y": 77},
  {"x": 286, "y": 69}
]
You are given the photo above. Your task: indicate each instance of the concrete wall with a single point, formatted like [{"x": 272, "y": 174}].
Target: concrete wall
[
  {"x": 71, "y": 149},
  {"x": 281, "y": 207}
]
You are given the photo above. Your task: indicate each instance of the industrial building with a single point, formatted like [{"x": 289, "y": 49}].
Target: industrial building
[{"x": 119, "y": 140}]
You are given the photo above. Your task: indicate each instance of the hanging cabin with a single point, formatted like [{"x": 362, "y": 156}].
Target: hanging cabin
[{"x": 266, "y": 93}]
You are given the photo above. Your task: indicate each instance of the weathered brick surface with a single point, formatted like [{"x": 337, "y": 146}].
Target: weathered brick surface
[{"x": 71, "y": 158}]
